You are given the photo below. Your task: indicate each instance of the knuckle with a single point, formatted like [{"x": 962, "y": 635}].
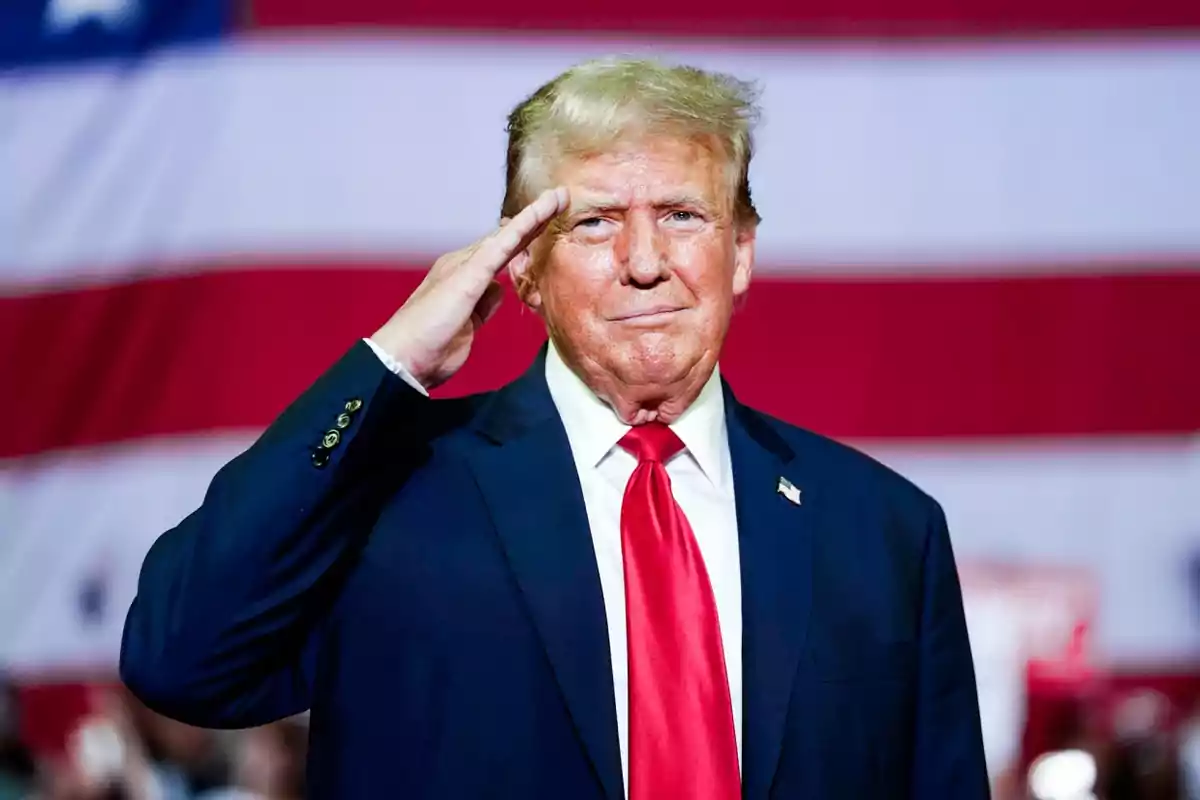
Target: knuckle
[{"x": 445, "y": 261}]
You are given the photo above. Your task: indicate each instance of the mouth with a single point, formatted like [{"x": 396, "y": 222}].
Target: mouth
[{"x": 648, "y": 317}]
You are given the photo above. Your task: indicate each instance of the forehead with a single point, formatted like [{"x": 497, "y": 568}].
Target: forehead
[{"x": 645, "y": 171}]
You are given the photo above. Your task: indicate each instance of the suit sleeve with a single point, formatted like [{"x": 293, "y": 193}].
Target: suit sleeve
[
  {"x": 225, "y": 627},
  {"x": 948, "y": 742}
]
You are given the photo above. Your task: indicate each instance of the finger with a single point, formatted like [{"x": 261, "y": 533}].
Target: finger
[
  {"x": 450, "y": 263},
  {"x": 493, "y": 295},
  {"x": 519, "y": 232}
]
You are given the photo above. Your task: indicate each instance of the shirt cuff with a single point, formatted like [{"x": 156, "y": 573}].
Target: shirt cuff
[{"x": 396, "y": 367}]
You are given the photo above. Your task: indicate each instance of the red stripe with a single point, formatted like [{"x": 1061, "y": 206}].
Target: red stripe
[
  {"x": 862, "y": 358},
  {"x": 758, "y": 18}
]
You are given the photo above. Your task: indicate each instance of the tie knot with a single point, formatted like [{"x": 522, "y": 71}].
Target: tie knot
[{"x": 653, "y": 441}]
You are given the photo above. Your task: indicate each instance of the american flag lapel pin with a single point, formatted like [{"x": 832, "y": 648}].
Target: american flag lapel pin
[{"x": 789, "y": 490}]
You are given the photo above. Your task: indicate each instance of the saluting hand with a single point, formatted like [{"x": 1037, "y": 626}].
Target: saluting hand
[{"x": 431, "y": 334}]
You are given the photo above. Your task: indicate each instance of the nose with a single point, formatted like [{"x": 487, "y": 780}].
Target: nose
[{"x": 642, "y": 251}]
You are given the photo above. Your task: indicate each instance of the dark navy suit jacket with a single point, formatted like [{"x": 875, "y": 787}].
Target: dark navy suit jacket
[{"x": 426, "y": 585}]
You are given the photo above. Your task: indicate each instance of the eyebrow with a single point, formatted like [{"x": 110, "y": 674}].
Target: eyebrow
[{"x": 602, "y": 204}]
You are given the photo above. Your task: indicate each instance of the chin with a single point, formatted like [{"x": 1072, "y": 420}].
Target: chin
[{"x": 656, "y": 359}]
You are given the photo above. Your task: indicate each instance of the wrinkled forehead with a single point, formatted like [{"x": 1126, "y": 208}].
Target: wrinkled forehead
[{"x": 649, "y": 172}]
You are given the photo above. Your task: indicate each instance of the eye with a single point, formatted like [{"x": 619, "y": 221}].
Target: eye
[
  {"x": 592, "y": 229},
  {"x": 684, "y": 219}
]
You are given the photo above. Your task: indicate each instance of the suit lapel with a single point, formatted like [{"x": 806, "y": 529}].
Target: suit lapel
[
  {"x": 525, "y": 469},
  {"x": 775, "y": 544}
]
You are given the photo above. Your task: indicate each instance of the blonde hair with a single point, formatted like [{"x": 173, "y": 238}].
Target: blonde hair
[{"x": 595, "y": 104}]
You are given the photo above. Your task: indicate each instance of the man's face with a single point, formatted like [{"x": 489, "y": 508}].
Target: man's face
[{"x": 638, "y": 279}]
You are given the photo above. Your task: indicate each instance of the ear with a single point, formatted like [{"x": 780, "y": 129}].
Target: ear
[
  {"x": 743, "y": 258},
  {"x": 520, "y": 272}
]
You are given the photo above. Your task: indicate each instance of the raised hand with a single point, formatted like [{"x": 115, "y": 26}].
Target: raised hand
[{"x": 431, "y": 334}]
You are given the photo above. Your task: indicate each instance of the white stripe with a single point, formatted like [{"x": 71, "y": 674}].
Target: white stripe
[
  {"x": 1124, "y": 510},
  {"x": 311, "y": 148},
  {"x": 67, "y": 517}
]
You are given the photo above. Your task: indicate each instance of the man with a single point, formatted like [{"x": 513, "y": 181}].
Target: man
[{"x": 608, "y": 578}]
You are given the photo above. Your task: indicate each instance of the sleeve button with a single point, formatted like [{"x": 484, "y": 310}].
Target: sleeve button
[
  {"x": 320, "y": 457},
  {"x": 353, "y": 405},
  {"x": 343, "y": 421},
  {"x": 331, "y": 439}
]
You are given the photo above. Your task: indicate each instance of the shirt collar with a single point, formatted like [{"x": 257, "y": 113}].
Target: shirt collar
[{"x": 593, "y": 428}]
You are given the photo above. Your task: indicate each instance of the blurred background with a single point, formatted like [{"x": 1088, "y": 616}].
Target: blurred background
[{"x": 979, "y": 262}]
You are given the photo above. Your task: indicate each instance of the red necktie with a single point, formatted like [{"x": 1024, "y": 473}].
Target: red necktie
[{"x": 681, "y": 738}]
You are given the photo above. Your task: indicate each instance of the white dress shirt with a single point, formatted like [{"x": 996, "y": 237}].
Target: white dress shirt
[{"x": 702, "y": 482}]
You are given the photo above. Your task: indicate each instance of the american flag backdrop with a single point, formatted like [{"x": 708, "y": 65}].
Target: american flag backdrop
[{"x": 980, "y": 258}]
